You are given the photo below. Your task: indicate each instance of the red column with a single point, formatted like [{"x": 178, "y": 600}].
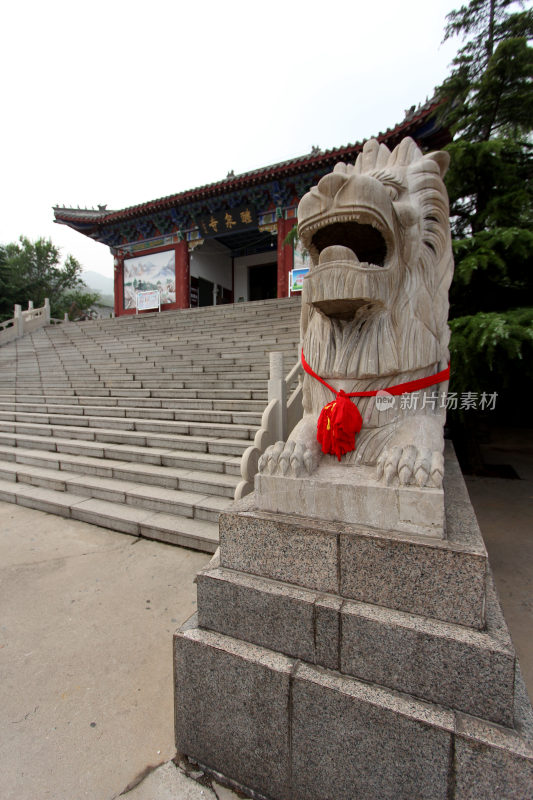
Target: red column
[
  {"x": 285, "y": 256},
  {"x": 118, "y": 274},
  {"x": 182, "y": 276}
]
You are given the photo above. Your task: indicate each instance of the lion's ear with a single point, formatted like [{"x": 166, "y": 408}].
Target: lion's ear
[{"x": 441, "y": 159}]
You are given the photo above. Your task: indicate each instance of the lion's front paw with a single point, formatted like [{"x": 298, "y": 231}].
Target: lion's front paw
[
  {"x": 289, "y": 457},
  {"x": 411, "y": 464}
]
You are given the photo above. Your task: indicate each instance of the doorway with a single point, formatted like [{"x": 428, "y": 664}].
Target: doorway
[
  {"x": 263, "y": 281},
  {"x": 205, "y": 292}
]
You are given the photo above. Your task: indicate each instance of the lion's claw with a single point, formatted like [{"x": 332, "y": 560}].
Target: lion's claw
[
  {"x": 277, "y": 459},
  {"x": 410, "y": 465},
  {"x": 270, "y": 457},
  {"x": 285, "y": 457}
]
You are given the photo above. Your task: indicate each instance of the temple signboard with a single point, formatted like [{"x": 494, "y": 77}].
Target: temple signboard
[{"x": 228, "y": 220}]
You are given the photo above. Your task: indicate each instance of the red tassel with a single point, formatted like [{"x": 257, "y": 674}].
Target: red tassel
[{"x": 338, "y": 423}]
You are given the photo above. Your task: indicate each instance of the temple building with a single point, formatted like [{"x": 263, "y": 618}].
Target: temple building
[{"x": 224, "y": 242}]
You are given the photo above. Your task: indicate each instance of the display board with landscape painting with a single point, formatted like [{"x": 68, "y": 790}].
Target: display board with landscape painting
[{"x": 154, "y": 271}]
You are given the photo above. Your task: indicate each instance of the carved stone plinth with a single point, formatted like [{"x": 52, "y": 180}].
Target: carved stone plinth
[
  {"x": 343, "y": 493},
  {"x": 330, "y": 661}
]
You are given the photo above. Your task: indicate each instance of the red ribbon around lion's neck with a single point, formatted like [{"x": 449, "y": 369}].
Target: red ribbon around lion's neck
[{"x": 341, "y": 420}]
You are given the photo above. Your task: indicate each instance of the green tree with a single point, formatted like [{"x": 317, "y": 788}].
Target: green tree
[
  {"x": 33, "y": 271},
  {"x": 487, "y": 102},
  {"x": 5, "y": 297},
  {"x": 488, "y": 92}
]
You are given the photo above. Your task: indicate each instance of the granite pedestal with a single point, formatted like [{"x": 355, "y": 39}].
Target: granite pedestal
[{"x": 335, "y": 660}]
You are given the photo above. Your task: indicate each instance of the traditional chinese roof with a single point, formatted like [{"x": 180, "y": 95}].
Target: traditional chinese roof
[{"x": 276, "y": 186}]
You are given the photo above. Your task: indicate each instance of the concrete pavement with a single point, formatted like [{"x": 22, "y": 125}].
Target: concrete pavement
[{"x": 86, "y": 623}]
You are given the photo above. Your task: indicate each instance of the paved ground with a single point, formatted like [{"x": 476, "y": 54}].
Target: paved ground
[
  {"x": 504, "y": 509},
  {"x": 86, "y": 623}
]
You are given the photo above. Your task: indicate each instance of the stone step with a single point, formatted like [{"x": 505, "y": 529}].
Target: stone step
[
  {"x": 129, "y": 402},
  {"x": 119, "y": 421},
  {"x": 153, "y": 344},
  {"x": 19, "y": 463},
  {"x": 172, "y": 353},
  {"x": 143, "y": 336},
  {"x": 238, "y": 395},
  {"x": 127, "y": 373},
  {"x": 244, "y": 393},
  {"x": 148, "y": 439},
  {"x": 157, "y": 498},
  {"x": 140, "y": 332},
  {"x": 197, "y": 534},
  {"x": 183, "y": 459},
  {"x": 153, "y": 411},
  {"x": 231, "y": 357},
  {"x": 254, "y": 364},
  {"x": 141, "y": 381}
]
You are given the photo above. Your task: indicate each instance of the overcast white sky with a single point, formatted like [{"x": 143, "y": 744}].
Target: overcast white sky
[{"x": 121, "y": 101}]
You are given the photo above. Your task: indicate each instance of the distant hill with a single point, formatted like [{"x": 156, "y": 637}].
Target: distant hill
[
  {"x": 97, "y": 282},
  {"x": 106, "y": 300}
]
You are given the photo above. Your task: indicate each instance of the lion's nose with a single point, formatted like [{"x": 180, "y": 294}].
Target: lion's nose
[{"x": 330, "y": 184}]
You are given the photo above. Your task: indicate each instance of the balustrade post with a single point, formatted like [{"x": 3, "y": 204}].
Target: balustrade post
[
  {"x": 47, "y": 310},
  {"x": 277, "y": 391},
  {"x": 19, "y": 320}
]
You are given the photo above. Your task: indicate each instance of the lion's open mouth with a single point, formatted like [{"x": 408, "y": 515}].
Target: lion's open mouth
[
  {"x": 352, "y": 257},
  {"x": 364, "y": 238},
  {"x": 365, "y": 241}
]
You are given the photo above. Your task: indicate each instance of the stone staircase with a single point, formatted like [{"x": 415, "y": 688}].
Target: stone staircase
[{"x": 138, "y": 424}]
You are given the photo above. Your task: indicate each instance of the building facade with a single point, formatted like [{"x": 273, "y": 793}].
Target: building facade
[{"x": 224, "y": 242}]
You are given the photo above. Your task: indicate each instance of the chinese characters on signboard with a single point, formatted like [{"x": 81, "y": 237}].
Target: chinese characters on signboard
[
  {"x": 147, "y": 300},
  {"x": 227, "y": 221}
]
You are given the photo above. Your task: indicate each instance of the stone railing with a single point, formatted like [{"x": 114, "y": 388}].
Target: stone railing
[
  {"x": 24, "y": 321},
  {"x": 279, "y": 418}
]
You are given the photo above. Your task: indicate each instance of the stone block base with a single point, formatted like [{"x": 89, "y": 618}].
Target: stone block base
[
  {"x": 340, "y": 493},
  {"x": 440, "y": 578},
  {"x": 283, "y": 728},
  {"x": 465, "y": 669}
]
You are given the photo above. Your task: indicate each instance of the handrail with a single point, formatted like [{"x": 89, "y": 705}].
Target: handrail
[
  {"x": 25, "y": 321},
  {"x": 278, "y": 420},
  {"x": 295, "y": 371},
  {"x": 7, "y": 323}
]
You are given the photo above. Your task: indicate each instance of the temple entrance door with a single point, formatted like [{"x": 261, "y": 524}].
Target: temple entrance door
[
  {"x": 205, "y": 292},
  {"x": 263, "y": 281}
]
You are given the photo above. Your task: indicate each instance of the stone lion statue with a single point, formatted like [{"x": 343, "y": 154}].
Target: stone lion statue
[{"x": 374, "y": 313}]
